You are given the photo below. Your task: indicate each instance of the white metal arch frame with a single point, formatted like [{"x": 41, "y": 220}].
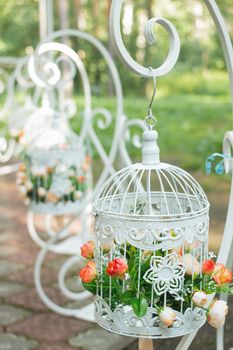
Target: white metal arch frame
[
  {"x": 11, "y": 108},
  {"x": 70, "y": 245},
  {"x": 225, "y": 254}
]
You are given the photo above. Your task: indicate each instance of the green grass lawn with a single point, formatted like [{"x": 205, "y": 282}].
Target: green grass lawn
[{"x": 193, "y": 113}]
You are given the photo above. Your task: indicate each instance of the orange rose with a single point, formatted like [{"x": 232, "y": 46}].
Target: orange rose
[
  {"x": 221, "y": 275},
  {"x": 81, "y": 179},
  {"x": 208, "y": 267},
  {"x": 87, "y": 250},
  {"x": 88, "y": 273},
  {"x": 22, "y": 167},
  {"x": 88, "y": 159},
  {"x": 49, "y": 170},
  {"x": 117, "y": 268},
  {"x": 52, "y": 197}
]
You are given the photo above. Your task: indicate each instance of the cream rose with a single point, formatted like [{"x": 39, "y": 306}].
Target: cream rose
[
  {"x": 78, "y": 195},
  {"x": 217, "y": 313},
  {"x": 41, "y": 192},
  {"x": 167, "y": 316},
  {"x": 199, "y": 298},
  {"x": 191, "y": 264}
]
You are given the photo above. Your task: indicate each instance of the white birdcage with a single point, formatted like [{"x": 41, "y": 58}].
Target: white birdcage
[
  {"x": 54, "y": 177},
  {"x": 154, "y": 218}
]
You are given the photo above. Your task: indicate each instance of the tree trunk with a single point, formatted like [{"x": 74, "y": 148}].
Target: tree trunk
[
  {"x": 63, "y": 12},
  {"x": 111, "y": 51},
  {"x": 77, "y": 6}
]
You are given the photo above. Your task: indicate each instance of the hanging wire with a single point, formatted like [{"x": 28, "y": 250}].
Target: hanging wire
[{"x": 150, "y": 120}]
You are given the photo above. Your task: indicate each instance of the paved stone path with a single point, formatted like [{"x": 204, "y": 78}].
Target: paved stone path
[{"x": 25, "y": 322}]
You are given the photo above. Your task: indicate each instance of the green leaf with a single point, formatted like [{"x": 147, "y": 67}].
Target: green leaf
[
  {"x": 91, "y": 287},
  {"x": 127, "y": 297},
  {"x": 140, "y": 306}
]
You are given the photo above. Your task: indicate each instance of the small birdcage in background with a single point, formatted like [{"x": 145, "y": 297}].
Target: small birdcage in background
[
  {"x": 152, "y": 223},
  {"x": 54, "y": 177}
]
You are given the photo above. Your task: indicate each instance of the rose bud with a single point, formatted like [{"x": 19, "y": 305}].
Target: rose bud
[
  {"x": 88, "y": 273},
  {"x": 87, "y": 250},
  {"x": 41, "y": 192},
  {"x": 117, "y": 268},
  {"x": 107, "y": 247},
  {"x": 78, "y": 195},
  {"x": 27, "y": 201},
  {"x": 167, "y": 316},
  {"x": 22, "y": 167},
  {"x": 217, "y": 313},
  {"x": 81, "y": 179},
  {"x": 199, "y": 298},
  {"x": 177, "y": 250},
  {"x": 23, "y": 190},
  {"x": 221, "y": 275},
  {"x": 146, "y": 254},
  {"x": 191, "y": 264},
  {"x": 29, "y": 185},
  {"x": 52, "y": 197},
  {"x": 208, "y": 267}
]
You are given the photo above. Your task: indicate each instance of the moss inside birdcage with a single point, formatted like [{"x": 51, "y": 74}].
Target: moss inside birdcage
[{"x": 52, "y": 184}]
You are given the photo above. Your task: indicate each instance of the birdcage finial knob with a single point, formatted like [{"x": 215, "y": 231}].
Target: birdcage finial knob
[{"x": 150, "y": 149}]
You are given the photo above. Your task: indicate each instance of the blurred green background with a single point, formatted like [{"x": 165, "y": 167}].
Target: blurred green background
[{"x": 193, "y": 101}]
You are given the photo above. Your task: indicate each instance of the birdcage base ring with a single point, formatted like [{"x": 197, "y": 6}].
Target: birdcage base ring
[{"x": 123, "y": 321}]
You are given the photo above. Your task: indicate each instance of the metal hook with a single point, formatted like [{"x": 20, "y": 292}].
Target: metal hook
[
  {"x": 150, "y": 120},
  {"x": 154, "y": 92}
]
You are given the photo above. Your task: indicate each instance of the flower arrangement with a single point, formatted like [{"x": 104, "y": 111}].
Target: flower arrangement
[
  {"x": 201, "y": 278},
  {"x": 18, "y": 136},
  {"x": 52, "y": 184}
]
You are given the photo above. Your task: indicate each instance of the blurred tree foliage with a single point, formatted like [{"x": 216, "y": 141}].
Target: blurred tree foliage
[{"x": 19, "y": 32}]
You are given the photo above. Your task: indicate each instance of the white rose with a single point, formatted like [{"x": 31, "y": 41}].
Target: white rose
[
  {"x": 191, "y": 264},
  {"x": 14, "y": 132},
  {"x": 38, "y": 171},
  {"x": 19, "y": 181},
  {"x": 27, "y": 201},
  {"x": 199, "y": 298},
  {"x": 167, "y": 316},
  {"x": 217, "y": 313},
  {"x": 29, "y": 185},
  {"x": 23, "y": 190},
  {"x": 20, "y": 174},
  {"x": 41, "y": 192},
  {"x": 71, "y": 189},
  {"x": 72, "y": 173},
  {"x": 23, "y": 141},
  {"x": 78, "y": 195},
  {"x": 61, "y": 168}
]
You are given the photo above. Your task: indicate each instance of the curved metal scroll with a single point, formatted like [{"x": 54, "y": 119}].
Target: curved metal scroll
[
  {"x": 225, "y": 255},
  {"x": 118, "y": 44}
]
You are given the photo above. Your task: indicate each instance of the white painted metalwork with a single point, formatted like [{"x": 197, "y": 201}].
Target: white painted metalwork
[
  {"x": 225, "y": 255},
  {"x": 157, "y": 208},
  {"x": 62, "y": 242},
  {"x": 115, "y": 33}
]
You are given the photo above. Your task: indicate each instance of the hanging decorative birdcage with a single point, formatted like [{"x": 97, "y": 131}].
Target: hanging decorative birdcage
[
  {"x": 152, "y": 238},
  {"x": 54, "y": 176}
]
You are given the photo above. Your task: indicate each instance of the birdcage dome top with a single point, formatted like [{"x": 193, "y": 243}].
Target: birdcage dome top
[
  {"x": 57, "y": 143},
  {"x": 159, "y": 192},
  {"x": 57, "y": 136},
  {"x": 153, "y": 203}
]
